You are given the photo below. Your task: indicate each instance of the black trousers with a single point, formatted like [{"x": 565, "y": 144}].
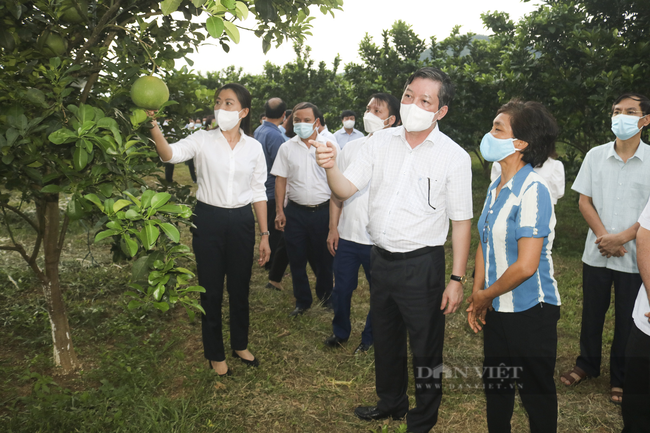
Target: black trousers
[
  {"x": 596, "y": 294},
  {"x": 405, "y": 299},
  {"x": 636, "y": 399},
  {"x": 306, "y": 238},
  {"x": 520, "y": 351},
  {"x": 169, "y": 171},
  {"x": 224, "y": 240}
]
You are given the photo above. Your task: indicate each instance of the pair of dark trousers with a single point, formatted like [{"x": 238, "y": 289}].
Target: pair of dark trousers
[
  {"x": 224, "y": 240},
  {"x": 636, "y": 400},
  {"x": 305, "y": 235},
  {"x": 596, "y": 293},
  {"x": 349, "y": 257},
  {"x": 169, "y": 171},
  {"x": 520, "y": 350},
  {"x": 405, "y": 298}
]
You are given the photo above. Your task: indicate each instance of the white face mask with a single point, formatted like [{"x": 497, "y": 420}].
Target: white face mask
[
  {"x": 372, "y": 123},
  {"x": 226, "y": 120},
  {"x": 415, "y": 119},
  {"x": 348, "y": 124}
]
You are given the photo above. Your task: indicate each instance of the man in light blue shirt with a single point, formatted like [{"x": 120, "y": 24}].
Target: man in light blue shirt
[
  {"x": 348, "y": 132},
  {"x": 614, "y": 186}
]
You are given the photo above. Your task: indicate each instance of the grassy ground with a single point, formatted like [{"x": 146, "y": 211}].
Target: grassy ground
[{"x": 144, "y": 371}]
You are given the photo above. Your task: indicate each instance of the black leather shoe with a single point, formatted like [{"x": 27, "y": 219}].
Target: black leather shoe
[
  {"x": 371, "y": 413},
  {"x": 251, "y": 363},
  {"x": 334, "y": 341},
  {"x": 298, "y": 311},
  {"x": 227, "y": 373},
  {"x": 361, "y": 349}
]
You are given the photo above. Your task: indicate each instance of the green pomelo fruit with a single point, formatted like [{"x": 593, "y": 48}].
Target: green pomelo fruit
[
  {"x": 54, "y": 45},
  {"x": 71, "y": 14},
  {"x": 149, "y": 92}
]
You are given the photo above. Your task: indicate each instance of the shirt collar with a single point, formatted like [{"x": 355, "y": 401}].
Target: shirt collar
[
  {"x": 270, "y": 125},
  {"x": 515, "y": 184},
  {"x": 433, "y": 136},
  {"x": 640, "y": 151}
]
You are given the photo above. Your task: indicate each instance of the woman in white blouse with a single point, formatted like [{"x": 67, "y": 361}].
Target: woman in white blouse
[{"x": 231, "y": 171}]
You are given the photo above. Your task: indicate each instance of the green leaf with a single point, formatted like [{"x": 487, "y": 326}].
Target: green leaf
[
  {"x": 140, "y": 268},
  {"x": 242, "y": 9},
  {"x": 59, "y": 137},
  {"x": 146, "y": 198},
  {"x": 170, "y": 208},
  {"x": 159, "y": 199},
  {"x": 171, "y": 231},
  {"x": 80, "y": 159},
  {"x": 185, "y": 271},
  {"x": 74, "y": 210},
  {"x": 169, "y": 6},
  {"x": 215, "y": 26},
  {"x": 162, "y": 306},
  {"x": 94, "y": 199},
  {"x": 232, "y": 31},
  {"x": 133, "y": 198},
  {"x": 195, "y": 289},
  {"x": 180, "y": 249},
  {"x": 86, "y": 113},
  {"x": 121, "y": 204},
  {"x": 131, "y": 245},
  {"x": 133, "y": 304},
  {"x": 35, "y": 96},
  {"x": 106, "y": 189},
  {"x": 198, "y": 3},
  {"x": 159, "y": 291},
  {"x": 151, "y": 234},
  {"x": 51, "y": 189},
  {"x": 230, "y": 4},
  {"x": 105, "y": 234},
  {"x": 138, "y": 116},
  {"x": 132, "y": 214}
]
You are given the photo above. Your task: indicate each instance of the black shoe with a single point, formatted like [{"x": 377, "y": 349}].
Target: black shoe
[
  {"x": 371, "y": 413},
  {"x": 334, "y": 341},
  {"x": 227, "y": 373},
  {"x": 272, "y": 287},
  {"x": 362, "y": 348},
  {"x": 298, "y": 311},
  {"x": 252, "y": 363}
]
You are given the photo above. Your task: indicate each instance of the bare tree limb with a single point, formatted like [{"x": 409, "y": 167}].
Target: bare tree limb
[{"x": 21, "y": 214}]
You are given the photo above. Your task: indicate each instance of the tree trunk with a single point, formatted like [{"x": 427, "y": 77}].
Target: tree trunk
[{"x": 64, "y": 353}]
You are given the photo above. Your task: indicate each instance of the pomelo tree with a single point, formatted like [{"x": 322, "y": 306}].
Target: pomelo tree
[{"x": 71, "y": 145}]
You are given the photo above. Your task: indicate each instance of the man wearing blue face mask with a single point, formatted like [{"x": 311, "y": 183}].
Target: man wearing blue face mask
[
  {"x": 614, "y": 186},
  {"x": 305, "y": 220}
]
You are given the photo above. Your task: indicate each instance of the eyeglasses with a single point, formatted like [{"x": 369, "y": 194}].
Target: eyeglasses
[
  {"x": 630, "y": 112},
  {"x": 429, "y": 194}
]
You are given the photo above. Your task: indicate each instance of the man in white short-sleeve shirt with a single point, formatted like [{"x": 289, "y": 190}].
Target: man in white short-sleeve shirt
[
  {"x": 614, "y": 186},
  {"x": 418, "y": 180},
  {"x": 305, "y": 220},
  {"x": 348, "y": 240}
]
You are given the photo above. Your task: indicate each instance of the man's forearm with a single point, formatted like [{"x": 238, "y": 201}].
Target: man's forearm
[
  {"x": 336, "y": 207},
  {"x": 460, "y": 241},
  {"x": 280, "y": 192},
  {"x": 589, "y": 213},
  {"x": 341, "y": 187}
]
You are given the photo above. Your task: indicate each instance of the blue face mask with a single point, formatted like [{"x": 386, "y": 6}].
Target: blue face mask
[
  {"x": 495, "y": 149},
  {"x": 304, "y": 130},
  {"x": 625, "y": 126}
]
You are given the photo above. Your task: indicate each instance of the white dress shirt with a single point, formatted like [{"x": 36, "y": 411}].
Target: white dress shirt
[
  {"x": 413, "y": 192},
  {"x": 227, "y": 178},
  {"x": 552, "y": 171},
  {"x": 306, "y": 181},
  {"x": 353, "y": 223}
]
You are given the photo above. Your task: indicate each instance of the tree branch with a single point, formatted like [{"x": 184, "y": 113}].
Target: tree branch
[
  {"x": 62, "y": 233},
  {"x": 94, "y": 37},
  {"x": 22, "y": 215}
]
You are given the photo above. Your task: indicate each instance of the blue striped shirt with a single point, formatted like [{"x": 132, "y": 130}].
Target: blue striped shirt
[{"x": 522, "y": 209}]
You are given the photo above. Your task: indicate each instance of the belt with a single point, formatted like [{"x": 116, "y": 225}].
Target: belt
[
  {"x": 310, "y": 208},
  {"x": 403, "y": 256}
]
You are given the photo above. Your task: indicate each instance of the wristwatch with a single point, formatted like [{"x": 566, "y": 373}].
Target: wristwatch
[
  {"x": 461, "y": 280},
  {"x": 265, "y": 233}
]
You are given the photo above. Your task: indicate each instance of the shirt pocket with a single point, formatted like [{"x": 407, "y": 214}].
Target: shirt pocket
[{"x": 428, "y": 193}]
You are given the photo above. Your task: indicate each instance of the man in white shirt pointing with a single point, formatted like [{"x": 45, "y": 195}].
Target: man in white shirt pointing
[{"x": 419, "y": 179}]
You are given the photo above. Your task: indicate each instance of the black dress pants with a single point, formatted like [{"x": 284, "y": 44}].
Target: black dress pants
[
  {"x": 520, "y": 350},
  {"x": 636, "y": 398},
  {"x": 224, "y": 240},
  {"x": 596, "y": 294},
  {"x": 306, "y": 240},
  {"x": 405, "y": 299}
]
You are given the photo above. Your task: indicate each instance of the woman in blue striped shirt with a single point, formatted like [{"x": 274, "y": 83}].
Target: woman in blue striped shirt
[{"x": 515, "y": 300}]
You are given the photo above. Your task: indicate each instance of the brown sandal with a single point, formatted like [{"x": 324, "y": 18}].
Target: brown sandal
[
  {"x": 574, "y": 376},
  {"x": 616, "y": 395}
]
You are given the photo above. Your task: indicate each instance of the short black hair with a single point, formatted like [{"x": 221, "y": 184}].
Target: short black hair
[
  {"x": 303, "y": 105},
  {"x": 392, "y": 103},
  {"x": 641, "y": 99},
  {"x": 322, "y": 120},
  {"x": 446, "y": 93},
  {"x": 348, "y": 113},
  {"x": 533, "y": 123},
  {"x": 274, "y": 108}
]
